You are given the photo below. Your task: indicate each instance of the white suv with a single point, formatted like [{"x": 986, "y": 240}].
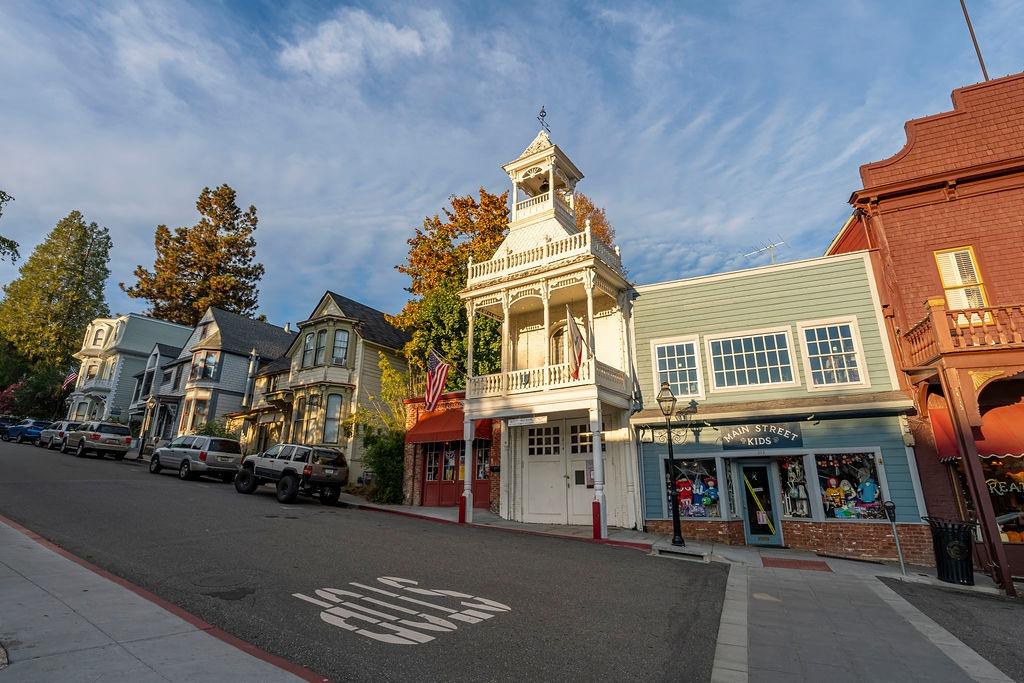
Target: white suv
[{"x": 193, "y": 456}]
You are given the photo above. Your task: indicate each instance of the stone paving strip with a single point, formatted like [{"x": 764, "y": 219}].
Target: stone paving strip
[
  {"x": 62, "y": 621},
  {"x": 730, "y": 665}
]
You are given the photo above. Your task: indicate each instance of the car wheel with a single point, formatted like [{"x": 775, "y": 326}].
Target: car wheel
[
  {"x": 185, "y": 471},
  {"x": 80, "y": 451},
  {"x": 330, "y": 495},
  {"x": 154, "y": 465},
  {"x": 287, "y": 488},
  {"x": 20, "y": 439},
  {"x": 246, "y": 481},
  {"x": 64, "y": 446},
  {"x": 49, "y": 444}
]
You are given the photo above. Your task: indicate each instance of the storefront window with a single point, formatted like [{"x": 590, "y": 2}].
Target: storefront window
[
  {"x": 1004, "y": 478},
  {"x": 452, "y": 460},
  {"x": 433, "y": 460},
  {"x": 483, "y": 457},
  {"x": 793, "y": 484},
  {"x": 696, "y": 487},
  {"x": 849, "y": 486}
]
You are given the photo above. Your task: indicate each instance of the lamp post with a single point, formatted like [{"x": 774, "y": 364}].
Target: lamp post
[{"x": 667, "y": 402}]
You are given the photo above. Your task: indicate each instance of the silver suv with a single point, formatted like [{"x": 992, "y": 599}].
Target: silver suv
[
  {"x": 193, "y": 456},
  {"x": 51, "y": 437},
  {"x": 99, "y": 438},
  {"x": 294, "y": 469}
]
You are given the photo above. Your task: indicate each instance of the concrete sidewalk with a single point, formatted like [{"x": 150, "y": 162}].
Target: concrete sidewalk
[{"x": 62, "y": 621}]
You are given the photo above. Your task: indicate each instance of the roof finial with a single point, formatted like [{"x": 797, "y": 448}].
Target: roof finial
[{"x": 540, "y": 117}]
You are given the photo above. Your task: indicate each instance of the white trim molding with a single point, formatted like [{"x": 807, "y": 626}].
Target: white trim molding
[
  {"x": 681, "y": 339},
  {"x": 719, "y": 336}
]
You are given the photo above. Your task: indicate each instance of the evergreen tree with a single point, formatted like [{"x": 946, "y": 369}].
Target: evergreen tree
[
  {"x": 58, "y": 291},
  {"x": 8, "y": 247},
  {"x": 208, "y": 264}
]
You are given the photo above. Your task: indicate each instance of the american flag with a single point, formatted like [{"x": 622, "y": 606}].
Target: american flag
[
  {"x": 437, "y": 374},
  {"x": 69, "y": 380},
  {"x": 575, "y": 344}
]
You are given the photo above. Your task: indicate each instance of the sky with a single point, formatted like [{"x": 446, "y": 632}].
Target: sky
[{"x": 704, "y": 128}]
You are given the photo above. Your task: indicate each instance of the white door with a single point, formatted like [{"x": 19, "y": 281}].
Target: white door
[
  {"x": 580, "y": 461},
  {"x": 544, "y": 486}
]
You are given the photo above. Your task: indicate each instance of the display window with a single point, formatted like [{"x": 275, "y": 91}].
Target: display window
[
  {"x": 1004, "y": 478},
  {"x": 696, "y": 487},
  {"x": 850, "y": 486},
  {"x": 796, "y": 502}
]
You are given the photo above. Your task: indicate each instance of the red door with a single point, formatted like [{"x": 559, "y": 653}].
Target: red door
[{"x": 443, "y": 474}]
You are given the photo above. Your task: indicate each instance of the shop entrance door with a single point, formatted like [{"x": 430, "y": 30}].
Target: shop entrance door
[
  {"x": 760, "y": 518},
  {"x": 544, "y": 494}
]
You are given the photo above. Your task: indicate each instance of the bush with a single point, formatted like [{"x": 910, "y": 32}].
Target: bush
[
  {"x": 217, "y": 428},
  {"x": 385, "y": 456}
]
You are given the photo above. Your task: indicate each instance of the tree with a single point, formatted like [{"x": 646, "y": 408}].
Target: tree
[
  {"x": 439, "y": 253},
  {"x": 211, "y": 263},
  {"x": 58, "y": 292},
  {"x": 8, "y": 247},
  {"x": 599, "y": 225},
  {"x": 39, "y": 394}
]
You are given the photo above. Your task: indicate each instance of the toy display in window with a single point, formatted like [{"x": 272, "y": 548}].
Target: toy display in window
[
  {"x": 696, "y": 489},
  {"x": 849, "y": 486},
  {"x": 795, "y": 502}
]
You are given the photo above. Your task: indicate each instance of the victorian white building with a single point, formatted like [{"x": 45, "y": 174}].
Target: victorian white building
[{"x": 566, "y": 453}]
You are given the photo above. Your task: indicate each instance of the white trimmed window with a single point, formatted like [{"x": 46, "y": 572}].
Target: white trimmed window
[
  {"x": 677, "y": 362},
  {"x": 749, "y": 361},
  {"x": 832, "y": 354}
]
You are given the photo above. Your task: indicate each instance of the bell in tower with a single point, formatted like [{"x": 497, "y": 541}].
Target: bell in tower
[{"x": 543, "y": 188}]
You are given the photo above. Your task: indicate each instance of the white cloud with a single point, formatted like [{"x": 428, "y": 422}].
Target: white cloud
[{"x": 353, "y": 41}]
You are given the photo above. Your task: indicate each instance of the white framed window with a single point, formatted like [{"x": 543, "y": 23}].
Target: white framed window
[
  {"x": 676, "y": 360},
  {"x": 321, "y": 347},
  {"x": 750, "y": 360},
  {"x": 832, "y": 354},
  {"x": 307, "y": 351},
  {"x": 340, "y": 351}
]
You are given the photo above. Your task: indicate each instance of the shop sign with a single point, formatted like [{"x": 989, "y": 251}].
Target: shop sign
[
  {"x": 527, "y": 421},
  {"x": 774, "y": 435}
]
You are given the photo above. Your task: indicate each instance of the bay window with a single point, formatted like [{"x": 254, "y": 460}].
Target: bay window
[
  {"x": 307, "y": 351},
  {"x": 321, "y": 347},
  {"x": 332, "y": 419},
  {"x": 340, "y": 348}
]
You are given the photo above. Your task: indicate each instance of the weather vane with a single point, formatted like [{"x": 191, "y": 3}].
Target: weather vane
[{"x": 540, "y": 117}]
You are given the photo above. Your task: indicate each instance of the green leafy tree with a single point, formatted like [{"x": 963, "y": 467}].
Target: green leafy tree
[
  {"x": 217, "y": 428},
  {"x": 384, "y": 454},
  {"x": 8, "y": 247},
  {"x": 12, "y": 365},
  {"x": 39, "y": 395},
  {"x": 211, "y": 263},
  {"x": 58, "y": 291}
]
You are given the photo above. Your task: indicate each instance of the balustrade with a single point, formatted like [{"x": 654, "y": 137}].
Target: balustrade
[
  {"x": 546, "y": 377},
  {"x": 577, "y": 244},
  {"x": 974, "y": 329}
]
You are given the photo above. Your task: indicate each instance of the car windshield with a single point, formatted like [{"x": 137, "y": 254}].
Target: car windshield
[
  {"x": 119, "y": 430},
  {"x": 224, "y": 446},
  {"x": 325, "y": 457}
]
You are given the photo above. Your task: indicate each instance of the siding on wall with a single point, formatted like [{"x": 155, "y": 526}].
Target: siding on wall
[
  {"x": 852, "y": 434},
  {"x": 765, "y": 298},
  {"x": 121, "y": 392}
]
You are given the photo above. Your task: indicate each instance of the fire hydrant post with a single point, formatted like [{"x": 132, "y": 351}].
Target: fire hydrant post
[{"x": 890, "y": 513}]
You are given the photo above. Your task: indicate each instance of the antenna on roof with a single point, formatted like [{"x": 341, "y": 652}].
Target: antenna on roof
[
  {"x": 974, "y": 39},
  {"x": 767, "y": 247},
  {"x": 540, "y": 117}
]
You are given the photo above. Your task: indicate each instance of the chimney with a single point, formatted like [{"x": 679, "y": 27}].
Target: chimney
[
  {"x": 250, "y": 379},
  {"x": 287, "y": 327}
]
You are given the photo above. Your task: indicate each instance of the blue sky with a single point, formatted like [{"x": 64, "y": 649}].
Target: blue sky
[{"x": 704, "y": 128}]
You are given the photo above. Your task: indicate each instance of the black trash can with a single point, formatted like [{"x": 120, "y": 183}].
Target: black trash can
[{"x": 953, "y": 540}]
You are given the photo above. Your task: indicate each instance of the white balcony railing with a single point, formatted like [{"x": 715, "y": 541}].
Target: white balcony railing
[
  {"x": 580, "y": 244},
  {"x": 545, "y": 378},
  {"x": 96, "y": 384}
]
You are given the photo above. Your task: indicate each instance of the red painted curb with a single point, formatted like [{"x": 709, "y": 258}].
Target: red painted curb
[
  {"x": 222, "y": 635},
  {"x": 636, "y": 545}
]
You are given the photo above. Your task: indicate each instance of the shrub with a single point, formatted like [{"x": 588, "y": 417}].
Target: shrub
[
  {"x": 385, "y": 456},
  {"x": 217, "y": 428}
]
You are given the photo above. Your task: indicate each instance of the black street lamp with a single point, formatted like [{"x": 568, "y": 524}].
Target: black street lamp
[{"x": 667, "y": 402}]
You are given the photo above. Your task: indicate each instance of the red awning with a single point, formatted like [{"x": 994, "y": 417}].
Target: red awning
[
  {"x": 1002, "y": 433},
  {"x": 445, "y": 426}
]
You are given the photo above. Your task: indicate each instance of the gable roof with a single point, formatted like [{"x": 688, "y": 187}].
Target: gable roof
[
  {"x": 168, "y": 351},
  {"x": 374, "y": 326},
  {"x": 239, "y": 335},
  {"x": 282, "y": 364}
]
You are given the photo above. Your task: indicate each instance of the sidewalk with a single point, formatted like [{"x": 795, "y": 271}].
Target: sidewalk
[{"x": 62, "y": 621}]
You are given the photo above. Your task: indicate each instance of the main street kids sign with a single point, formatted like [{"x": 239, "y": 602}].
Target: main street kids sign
[{"x": 773, "y": 435}]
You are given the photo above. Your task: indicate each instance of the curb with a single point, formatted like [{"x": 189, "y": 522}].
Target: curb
[
  {"x": 218, "y": 633},
  {"x": 635, "y": 545}
]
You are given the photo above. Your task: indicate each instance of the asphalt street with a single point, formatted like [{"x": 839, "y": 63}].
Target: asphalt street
[
  {"x": 991, "y": 625},
  {"x": 576, "y": 611}
]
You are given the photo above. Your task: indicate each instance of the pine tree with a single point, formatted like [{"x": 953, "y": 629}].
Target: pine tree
[
  {"x": 208, "y": 264},
  {"x": 58, "y": 291},
  {"x": 8, "y": 247}
]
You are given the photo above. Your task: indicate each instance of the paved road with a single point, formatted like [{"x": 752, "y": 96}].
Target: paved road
[{"x": 577, "y": 610}]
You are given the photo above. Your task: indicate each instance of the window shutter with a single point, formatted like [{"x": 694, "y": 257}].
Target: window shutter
[{"x": 960, "y": 279}]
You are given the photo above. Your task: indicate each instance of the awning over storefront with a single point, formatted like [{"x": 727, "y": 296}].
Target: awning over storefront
[
  {"x": 1002, "y": 432},
  {"x": 445, "y": 426}
]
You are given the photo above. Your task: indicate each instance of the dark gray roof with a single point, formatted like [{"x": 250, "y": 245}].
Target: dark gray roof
[
  {"x": 282, "y": 364},
  {"x": 168, "y": 351},
  {"x": 239, "y": 335},
  {"x": 374, "y": 327}
]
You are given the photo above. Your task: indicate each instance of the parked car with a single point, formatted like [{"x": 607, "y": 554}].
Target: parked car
[
  {"x": 51, "y": 437},
  {"x": 99, "y": 438},
  {"x": 193, "y": 456},
  {"x": 26, "y": 430},
  {"x": 6, "y": 421},
  {"x": 295, "y": 469}
]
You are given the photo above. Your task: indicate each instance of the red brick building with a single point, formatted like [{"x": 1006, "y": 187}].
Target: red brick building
[
  {"x": 946, "y": 216},
  {"x": 434, "y": 447}
]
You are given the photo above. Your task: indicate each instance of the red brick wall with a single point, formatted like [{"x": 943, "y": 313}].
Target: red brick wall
[
  {"x": 845, "y": 539},
  {"x": 984, "y": 127},
  {"x": 495, "y": 477}
]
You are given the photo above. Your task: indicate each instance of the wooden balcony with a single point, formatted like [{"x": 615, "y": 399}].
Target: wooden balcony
[
  {"x": 546, "y": 378},
  {"x": 961, "y": 331},
  {"x": 572, "y": 246}
]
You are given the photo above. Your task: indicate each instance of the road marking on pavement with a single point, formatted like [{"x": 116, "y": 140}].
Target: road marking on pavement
[
  {"x": 973, "y": 664},
  {"x": 407, "y": 626},
  {"x": 731, "y": 653}
]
